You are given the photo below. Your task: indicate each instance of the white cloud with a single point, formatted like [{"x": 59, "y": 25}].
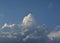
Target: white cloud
[
  {"x": 26, "y": 38},
  {"x": 6, "y": 25},
  {"x": 12, "y": 30},
  {"x": 8, "y": 31},
  {"x": 5, "y": 35},
  {"x": 24, "y": 31},
  {"x": 28, "y": 20},
  {"x": 29, "y": 29},
  {"x": 54, "y": 35},
  {"x": 33, "y": 35}
]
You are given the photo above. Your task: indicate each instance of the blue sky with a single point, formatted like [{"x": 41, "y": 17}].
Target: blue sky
[
  {"x": 44, "y": 11},
  {"x": 25, "y": 20}
]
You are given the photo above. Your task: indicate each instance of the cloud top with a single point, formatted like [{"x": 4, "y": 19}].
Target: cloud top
[{"x": 28, "y": 20}]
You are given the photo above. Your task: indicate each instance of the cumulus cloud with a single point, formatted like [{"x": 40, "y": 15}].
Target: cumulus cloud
[
  {"x": 6, "y": 35},
  {"x": 33, "y": 35},
  {"x": 12, "y": 30},
  {"x": 54, "y": 35},
  {"x": 28, "y": 29},
  {"x": 23, "y": 32},
  {"x": 28, "y": 20}
]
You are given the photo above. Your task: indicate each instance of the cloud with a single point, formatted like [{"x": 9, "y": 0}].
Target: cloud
[
  {"x": 8, "y": 31},
  {"x": 29, "y": 29},
  {"x": 24, "y": 31},
  {"x": 39, "y": 32},
  {"x": 6, "y": 35},
  {"x": 26, "y": 38},
  {"x": 28, "y": 20},
  {"x": 31, "y": 36},
  {"x": 6, "y": 25},
  {"x": 54, "y": 35},
  {"x": 13, "y": 30},
  {"x": 50, "y": 5}
]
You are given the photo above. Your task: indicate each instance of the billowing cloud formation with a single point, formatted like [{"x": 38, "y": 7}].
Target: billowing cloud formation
[
  {"x": 32, "y": 36},
  {"x": 8, "y": 31},
  {"x": 26, "y": 29},
  {"x": 13, "y": 30},
  {"x": 29, "y": 29}
]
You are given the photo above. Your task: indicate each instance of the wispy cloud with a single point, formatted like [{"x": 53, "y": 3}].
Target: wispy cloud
[
  {"x": 6, "y": 25},
  {"x": 50, "y": 5}
]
